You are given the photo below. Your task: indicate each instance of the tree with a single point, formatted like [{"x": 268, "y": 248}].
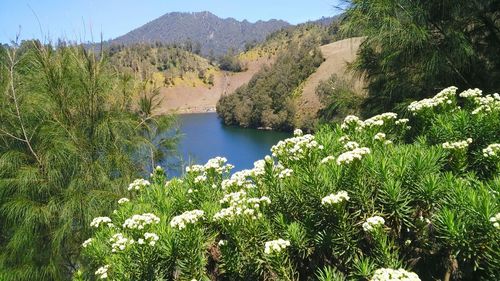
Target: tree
[
  {"x": 68, "y": 149},
  {"x": 413, "y": 48}
]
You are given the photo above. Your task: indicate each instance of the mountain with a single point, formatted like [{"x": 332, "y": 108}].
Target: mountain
[{"x": 204, "y": 30}]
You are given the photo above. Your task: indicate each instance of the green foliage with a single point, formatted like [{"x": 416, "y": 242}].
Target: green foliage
[
  {"x": 68, "y": 146},
  {"x": 338, "y": 99},
  {"x": 355, "y": 199},
  {"x": 230, "y": 62},
  {"x": 142, "y": 60},
  {"x": 413, "y": 48},
  {"x": 267, "y": 100}
]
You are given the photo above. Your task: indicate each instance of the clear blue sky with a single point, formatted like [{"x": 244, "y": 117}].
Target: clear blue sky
[{"x": 74, "y": 19}]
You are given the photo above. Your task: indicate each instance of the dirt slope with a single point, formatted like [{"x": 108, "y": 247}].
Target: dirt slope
[
  {"x": 189, "y": 99},
  {"x": 337, "y": 55}
]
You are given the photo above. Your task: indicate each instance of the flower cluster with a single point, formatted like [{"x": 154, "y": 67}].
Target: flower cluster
[
  {"x": 496, "y": 221},
  {"x": 239, "y": 179},
  {"x": 351, "y": 145},
  {"x": 402, "y": 121},
  {"x": 102, "y": 272},
  {"x": 295, "y": 148},
  {"x": 87, "y": 242},
  {"x": 349, "y": 156},
  {"x": 217, "y": 164},
  {"x": 123, "y": 200},
  {"x": 141, "y": 221},
  {"x": 96, "y": 222},
  {"x": 372, "y": 223},
  {"x": 487, "y": 103},
  {"x": 327, "y": 159},
  {"x": 471, "y": 93},
  {"x": 297, "y": 132},
  {"x": 351, "y": 121},
  {"x": 149, "y": 238},
  {"x": 240, "y": 205},
  {"x": 335, "y": 198},
  {"x": 285, "y": 173},
  {"x": 119, "y": 242},
  {"x": 379, "y": 136},
  {"x": 441, "y": 98},
  {"x": 492, "y": 150},
  {"x": 276, "y": 246},
  {"x": 459, "y": 145},
  {"x": 138, "y": 184},
  {"x": 379, "y": 120},
  {"x": 388, "y": 274},
  {"x": 188, "y": 217}
]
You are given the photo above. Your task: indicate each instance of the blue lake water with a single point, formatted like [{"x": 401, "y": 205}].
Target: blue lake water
[{"x": 204, "y": 137}]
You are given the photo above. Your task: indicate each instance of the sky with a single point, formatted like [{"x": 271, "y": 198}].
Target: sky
[{"x": 86, "y": 20}]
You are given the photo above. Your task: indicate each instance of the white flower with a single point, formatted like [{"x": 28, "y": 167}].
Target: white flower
[
  {"x": 402, "y": 121},
  {"x": 151, "y": 237},
  {"x": 295, "y": 148},
  {"x": 87, "y": 242},
  {"x": 496, "y": 221},
  {"x": 222, "y": 242},
  {"x": 297, "y": 132},
  {"x": 349, "y": 156},
  {"x": 327, "y": 159},
  {"x": 388, "y": 274},
  {"x": 102, "y": 272},
  {"x": 138, "y": 184},
  {"x": 275, "y": 246},
  {"x": 188, "y": 217},
  {"x": 344, "y": 139},
  {"x": 487, "y": 103},
  {"x": 459, "y": 145},
  {"x": 335, "y": 198},
  {"x": 96, "y": 222},
  {"x": 285, "y": 173},
  {"x": 492, "y": 150},
  {"x": 372, "y": 223},
  {"x": 200, "y": 178},
  {"x": 351, "y": 145},
  {"x": 141, "y": 221},
  {"x": 439, "y": 99},
  {"x": 120, "y": 242},
  {"x": 379, "y": 136},
  {"x": 123, "y": 200},
  {"x": 240, "y": 205},
  {"x": 471, "y": 93}
]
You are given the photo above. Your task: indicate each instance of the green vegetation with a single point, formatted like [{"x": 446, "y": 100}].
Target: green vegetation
[
  {"x": 338, "y": 99},
  {"x": 171, "y": 61},
  {"x": 357, "y": 201},
  {"x": 268, "y": 100},
  {"x": 71, "y": 137},
  {"x": 415, "y": 47}
]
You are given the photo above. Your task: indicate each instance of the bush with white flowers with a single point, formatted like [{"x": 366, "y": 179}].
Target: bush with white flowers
[{"x": 345, "y": 205}]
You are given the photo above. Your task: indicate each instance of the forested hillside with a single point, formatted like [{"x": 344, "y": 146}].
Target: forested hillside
[
  {"x": 166, "y": 65},
  {"x": 268, "y": 100}
]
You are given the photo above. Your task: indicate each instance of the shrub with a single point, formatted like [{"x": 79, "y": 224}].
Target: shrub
[{"x": 359, "y": 200}]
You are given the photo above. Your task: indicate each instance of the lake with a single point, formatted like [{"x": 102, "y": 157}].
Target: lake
[{"x": 204, "y": 137}]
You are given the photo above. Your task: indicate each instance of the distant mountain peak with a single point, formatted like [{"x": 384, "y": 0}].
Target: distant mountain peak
[{"x": 214, "y": 34}]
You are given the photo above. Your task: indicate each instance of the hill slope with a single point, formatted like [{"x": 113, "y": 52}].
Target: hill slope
[
  {"x": 336, "y": 55},
  {"x": 213, "y": 34}
]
